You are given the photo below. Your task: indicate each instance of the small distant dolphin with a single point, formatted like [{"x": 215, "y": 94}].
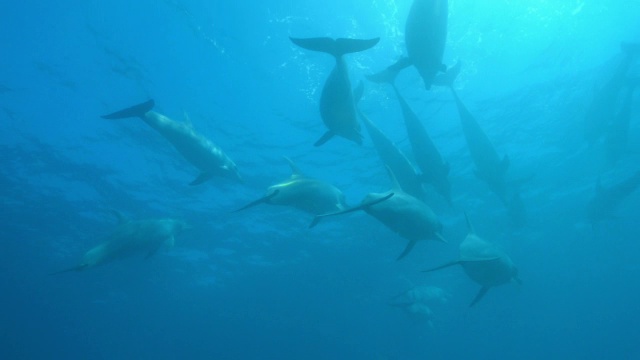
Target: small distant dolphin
[
  {"x": 617, "y": 135},
  {"x": 603, "y": 205},
  {"x": 395, "y": 160},
  {"x": 404, "y": 214},
  {"x": 489, "y": 167},
  {"x": 131, "y": 237},
  {"x": 337, "y": 106},
  {"x": 425, "y": 38},
  {"x": 484, "y": 263},
  {"x": 305, "y": 193},
  {"x": 427, "y": 156},
  {"x": 195, "y": 148},
  {"x": 602, "y": 107}
]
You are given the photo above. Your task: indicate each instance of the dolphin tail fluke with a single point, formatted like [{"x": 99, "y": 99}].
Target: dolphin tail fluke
[
  {"x": 335, "y": 47},
  {"x": 389, "y": 74},
  {"x": 317, "y": 218},
  {"x": 480, "y": 295},
  {"x": 202, "y": 178},
  {"x": 326, "y": 137},
  {"x": 263, "y": 200},
  {"x": 71, "y": 269},
  {"x": 133, "y": 111},
  {"x": 450, "y": 263},
  {"x": 449, "y": 76},
  {"x": 407, "y": 249}
]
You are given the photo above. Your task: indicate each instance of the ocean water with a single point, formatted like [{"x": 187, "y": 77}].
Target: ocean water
[{"x": 259, "y": 283}]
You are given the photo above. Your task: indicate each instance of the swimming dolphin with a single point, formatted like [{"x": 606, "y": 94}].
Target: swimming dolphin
[
  {"x": 616, "y": 137},
  {"x": 602, "y": 107},
  {"x": 417, "y": 302},
  {"x": 337, "y": 106},
  {"x": 302, "y": 192},
  {"x": 434, "y": 169},
  {"x": 404, "y": 214},
  {"x": 395, "y": 160},
  {"x": 425, "y": 38},
  {"x": 131, "y": 237},
  {"x": 603, "y": 205},
  {"x": 484, "y": 263},
  {"x": 489, "y": 167},
  {"x": 195, "y": 148}
]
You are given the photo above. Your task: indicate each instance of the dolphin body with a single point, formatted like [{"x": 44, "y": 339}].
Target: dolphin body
[
  {"x": 337, "y": 105},
  {"x": 602, "y": 107},
  {"x": 404, "y": 214},
  {"x": 304, "y": 193},
  {"x": 484, "y": 263},
  {"x": 425, "y": 38},
  {"x": 606, "y": 200},
  {"x": 395, "y": 160},
  {"x": 195, "y": 148},
  {"x": 434, "y": 170},
  {"x": 489, "y": 167},
  {"x": 131, "y": 237}
]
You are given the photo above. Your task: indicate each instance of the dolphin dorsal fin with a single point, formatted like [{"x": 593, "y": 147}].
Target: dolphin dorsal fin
[
  {"x": 395, "y": 186},
  {"x": 295, "y": 170},
  {"x": 469, "y": 224},
  {"x": 119, "y": 216},
  {"x": 187, "y": 119}
]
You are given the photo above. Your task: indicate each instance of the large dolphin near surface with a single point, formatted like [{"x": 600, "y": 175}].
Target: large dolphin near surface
[
  {"x": 395, "y": 160},
  {"x": 425, "y": 38},
  {"x": 402, "y": 213},
  {"x": 483, "y": 262},
  {"x": 603, "y": 205},
  {"x": 602, "y": 107},
  {"x": 489, "y": 166},
  {"x": 337, "y": 106},
  {"x": 304, "y": 193},
  {"x": 131, "y": 237},
  {"x": 434, "y": 170},
  {"x": 195, "y": 148}
]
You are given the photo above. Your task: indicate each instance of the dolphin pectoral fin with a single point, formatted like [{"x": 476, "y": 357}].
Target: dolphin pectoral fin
[
  {"x": 480, "y": 295},
  {"x": 326, "y": 137},
  {"x": 441, "y": 238},
  {"x": 203, "y": 177},
  {"x": 119, "y": 216},
  {"x": 263, "y": 200},
  {"x": 407, "y": 249},
  {"x": 75, "y": 268},
  {"x": 317, "y": 218},
  {"x": 450, "y": 263},
  {"x": 133, "y": 111}
]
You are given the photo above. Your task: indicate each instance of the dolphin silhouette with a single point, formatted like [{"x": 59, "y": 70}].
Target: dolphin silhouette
[
  {"x": 483, "y": 262},
  {"x": 337, "y": 106},
  {"x": 195, "y": 148}
]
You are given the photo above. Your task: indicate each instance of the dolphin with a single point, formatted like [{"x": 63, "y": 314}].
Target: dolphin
[
  {"x": 434, "y": 170},
  {"x": 304, "y": 193},
  {"x": 616, "y": 137},
  {"x": 425, "y": 38},
  {"x": 484, "y": 263},
  {"x": 195, "y": 148},
  {"x": 489, "y": 167},
  {"x": 404, "y": 214},
  {"x": 337, "y": 106},
  {"x": 131, "y": 237},
  {"x": 395, "y": 160},
  {"x": 602, "y": 107},
  {"x": 603, "y": 205}
]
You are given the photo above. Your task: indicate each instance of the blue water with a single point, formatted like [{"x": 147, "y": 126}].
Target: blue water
[{"x": 259, "y": 284}]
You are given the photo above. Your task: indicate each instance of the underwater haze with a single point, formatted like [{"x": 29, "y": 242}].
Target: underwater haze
[{"x": 121, "y": 238}]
